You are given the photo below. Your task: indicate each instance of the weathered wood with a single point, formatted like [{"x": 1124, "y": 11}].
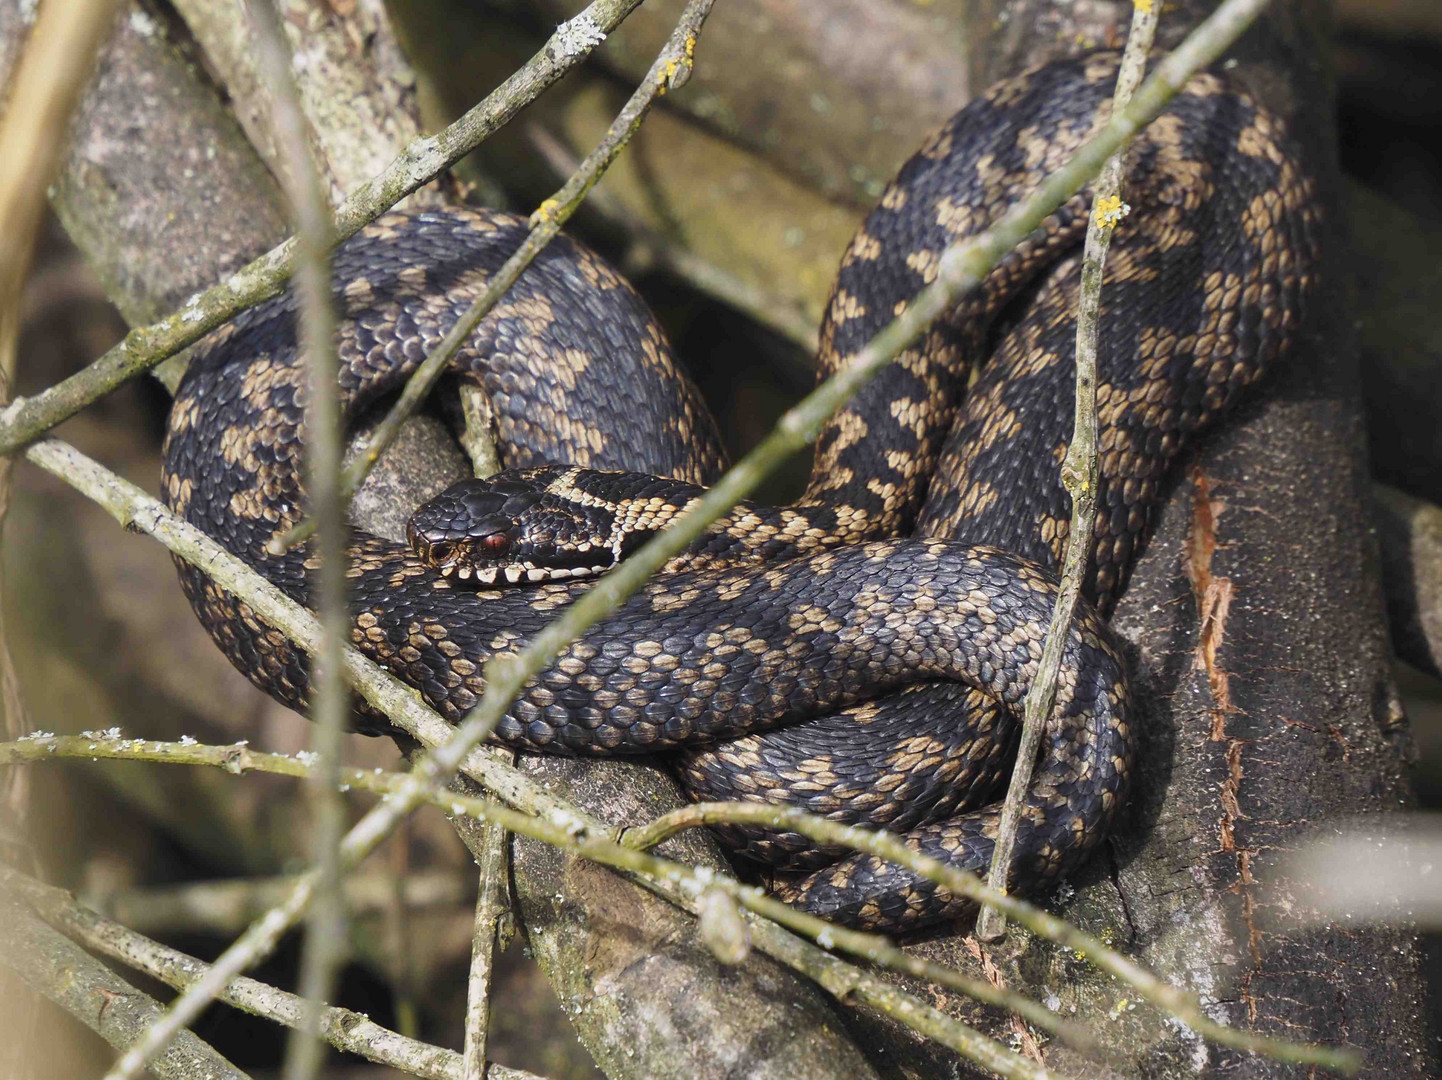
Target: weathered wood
[
  {"x": 159, "y": 217},
  {"x": 356, "y": 87}
]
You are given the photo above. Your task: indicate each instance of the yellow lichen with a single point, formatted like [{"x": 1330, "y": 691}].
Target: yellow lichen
[
  {"x": 1109, "y": 211},
  {"x": 543, "y": 212}
]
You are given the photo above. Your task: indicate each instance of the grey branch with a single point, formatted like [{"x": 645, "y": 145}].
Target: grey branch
[
  {"x": 52, "y": 965},
  {"x": 342, "y": 1028}
]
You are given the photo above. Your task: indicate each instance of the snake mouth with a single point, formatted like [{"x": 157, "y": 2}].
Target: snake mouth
[{"x": 511, "y": 573}]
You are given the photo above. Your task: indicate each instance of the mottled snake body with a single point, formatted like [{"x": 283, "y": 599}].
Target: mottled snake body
[{"x": 926, "y": 645}]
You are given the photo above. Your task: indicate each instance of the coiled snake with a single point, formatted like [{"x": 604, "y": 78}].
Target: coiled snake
[{"x": 919, "y": 649}]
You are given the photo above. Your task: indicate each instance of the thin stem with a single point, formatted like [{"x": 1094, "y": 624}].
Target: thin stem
[
  {"x": 493, "y": 858},
  {"x": 1184, "y": 1006},
  {"x": 478, "y": 430},
  {"x": 672, "y": 67},
  {"x": 419, "y": 163},
  {"x": 324, "y": 949},
  {"x": 685, "y": 884},
  {"x": 675, "y": 881},
  {"x": 1080, "y": 473},
  {"x": 492, "y": 906}
]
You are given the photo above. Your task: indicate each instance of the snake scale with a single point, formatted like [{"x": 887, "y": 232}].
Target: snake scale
[{"x": 861, "y": 653}]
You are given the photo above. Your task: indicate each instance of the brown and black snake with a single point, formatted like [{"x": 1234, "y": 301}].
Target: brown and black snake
[{"x": 863, "y": 652}]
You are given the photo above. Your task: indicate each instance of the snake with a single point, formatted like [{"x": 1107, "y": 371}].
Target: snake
[{"x": 863, "y": 652}]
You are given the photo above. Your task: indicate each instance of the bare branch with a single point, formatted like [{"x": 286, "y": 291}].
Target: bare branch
[
  {"x": 342, "y": 1028},
  {"x": 492, "y": 909},
  {"x": 686, "y": 885},
  {"x": 325, "y": 943},
  {"x": 56, "y": 967},
  {"x": 1080, "y": 471},
  {"x": 675, "y": 881}
]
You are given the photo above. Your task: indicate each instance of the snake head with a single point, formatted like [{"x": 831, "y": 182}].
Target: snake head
[{"x": 517, "y": 526}]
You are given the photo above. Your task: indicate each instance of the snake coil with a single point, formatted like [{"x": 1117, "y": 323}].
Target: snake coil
[{"x": 866, "y": 657}]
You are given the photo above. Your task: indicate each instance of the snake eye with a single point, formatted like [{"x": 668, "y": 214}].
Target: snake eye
[{"x": 495, "y": 543}]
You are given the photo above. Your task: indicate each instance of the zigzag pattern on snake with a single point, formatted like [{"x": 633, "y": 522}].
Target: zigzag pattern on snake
[{"x": 855, "y": 671}]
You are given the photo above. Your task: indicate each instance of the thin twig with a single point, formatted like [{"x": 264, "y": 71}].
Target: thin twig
[
  {"x": 493, "y": 859},
  {"x": 478, "y": 430},
  {"x": 345, "y": 1030},
  {"x": 883, "y": 845},
  {"x": 52, "y": 965},
  {"x": 671, "y": 68},
  {"x": 492, "y": 906},
  {"x": 579, "y": 837},
  {"x": 675, "y": 881},
  {"x": 1080, "y": 471},
  {"x": 419, "y": 163},
  {"x": 228, "y": 906},
  {"x": 324, "y": 948}
]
